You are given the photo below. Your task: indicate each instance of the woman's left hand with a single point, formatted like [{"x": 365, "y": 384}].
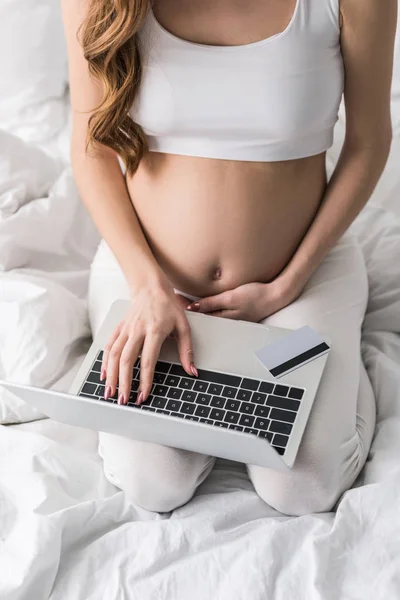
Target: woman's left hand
[{"x": 248, "y": 302}]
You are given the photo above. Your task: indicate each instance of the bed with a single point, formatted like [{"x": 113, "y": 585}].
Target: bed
[{"x": 67, "y": 533}]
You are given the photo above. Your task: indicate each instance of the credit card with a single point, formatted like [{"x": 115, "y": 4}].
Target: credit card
[{"x": 292, "y": 352}]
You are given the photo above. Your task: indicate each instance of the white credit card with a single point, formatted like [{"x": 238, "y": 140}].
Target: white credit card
[{"x": 292, "y": 352}]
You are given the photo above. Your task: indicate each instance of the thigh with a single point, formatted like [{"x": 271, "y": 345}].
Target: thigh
[
  {"x": 107, "y": 283},
  {"x": 334, "y": 303},
  {"x": 122, "y": 455}
]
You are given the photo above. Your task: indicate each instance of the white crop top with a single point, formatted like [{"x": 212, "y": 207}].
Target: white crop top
[{"x": 276, "y": 99}]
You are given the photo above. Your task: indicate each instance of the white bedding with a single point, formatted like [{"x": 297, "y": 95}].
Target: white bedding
[{"x": 66, "y": 533}]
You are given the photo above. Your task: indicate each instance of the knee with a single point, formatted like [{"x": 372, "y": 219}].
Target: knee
[
  {"x": 295, "y": 495},
  {"x": 150, "y": 489},
  {"x": 154, "y": 477}
]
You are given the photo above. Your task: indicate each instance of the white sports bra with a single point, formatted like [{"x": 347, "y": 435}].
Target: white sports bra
[{"x": 275, "y": 99}]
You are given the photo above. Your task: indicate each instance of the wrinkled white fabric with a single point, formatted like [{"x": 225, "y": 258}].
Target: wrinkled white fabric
[{"x": 66, "y": 532}]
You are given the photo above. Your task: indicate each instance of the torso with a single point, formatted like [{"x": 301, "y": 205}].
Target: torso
[{"x": 214, "y": 224}]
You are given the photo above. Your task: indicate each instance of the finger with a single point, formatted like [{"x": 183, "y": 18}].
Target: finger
[
  {"x": 150, "y": 354},
  {"x": 128, "y": 358},
  {"x": 185, "y": 346},
  {"x": 213, "y": 303},
  {"x": 106, "y": 350},
  {"x": 113, "y": 365}
]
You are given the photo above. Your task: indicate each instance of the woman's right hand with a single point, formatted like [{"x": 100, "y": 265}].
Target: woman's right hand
[{"x": 156, "y": 313}]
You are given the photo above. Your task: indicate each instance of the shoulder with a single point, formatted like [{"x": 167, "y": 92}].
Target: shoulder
[{"x": 351, "y": 11}]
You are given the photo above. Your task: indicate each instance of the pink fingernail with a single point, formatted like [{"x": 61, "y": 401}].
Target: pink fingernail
[
  {"x": 102, "y": 374},
  {"x": 140, "y": 398},
  {"x": 194, "y": 370},
  {"x": 121, "y": 399},
  {"x": 107, "y": 393}
]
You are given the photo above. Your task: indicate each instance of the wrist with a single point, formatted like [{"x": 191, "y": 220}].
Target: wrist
[
  {"x": 289, "y": 284},
  {"x": 152, "y": 277}
]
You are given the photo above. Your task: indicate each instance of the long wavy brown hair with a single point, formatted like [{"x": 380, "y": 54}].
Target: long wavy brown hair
[{"x": 110, "y": 45}]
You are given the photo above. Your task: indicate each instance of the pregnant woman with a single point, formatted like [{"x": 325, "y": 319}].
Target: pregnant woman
[{"x": 200, "y": 132}]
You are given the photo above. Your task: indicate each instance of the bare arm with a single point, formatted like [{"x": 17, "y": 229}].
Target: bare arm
[
  {"x": 367, "y": 38},
  {"x": 98, "y": 175},
  {"x": 155, "y": 311}
]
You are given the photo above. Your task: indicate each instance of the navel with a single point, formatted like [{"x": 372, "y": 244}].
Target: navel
[{"x": 217, "y": 273}]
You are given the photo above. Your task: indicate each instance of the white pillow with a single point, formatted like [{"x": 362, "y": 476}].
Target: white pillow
[
  {"x": 47, "y": 242},
  {"x": 33, "y": 69}
]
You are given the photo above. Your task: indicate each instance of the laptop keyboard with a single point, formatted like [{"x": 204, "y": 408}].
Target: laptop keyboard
[{"x": 262, "y": 408}]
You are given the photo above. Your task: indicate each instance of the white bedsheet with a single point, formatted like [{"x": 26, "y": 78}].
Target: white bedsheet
[{"x": 66, "y": 533}]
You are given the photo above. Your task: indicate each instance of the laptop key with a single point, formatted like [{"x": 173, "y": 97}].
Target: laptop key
[
  {"x": 191, "y": 418},
  {"x": 200, "y": 386},
  {"x": 202, "y": 411},
  {"x": 210, "y": 376},
  {"x": 218, "y": 401},
  {"x": 221, "y": 424},
  {"x": 162, "y": 366},
  {"x": 174, "y": 405},
  {"x": 175, "y": 393},
  {"x": 203, "y": 399},
  {"x": 262, "y": 411},
  {"x": 189, "y": 396},
  {"x": 159, "y": 377},
  {"x": 251, "y": 430},
  {"x": 90, "y": 388},
  {"x": 247, "y": 408},
  {"x": 215, "y": 389},
  {"x": 178, "y": 414},
  {"x": 133, "y": 396},
  {"x": 135, "y": 385},
  {"x": 243, "y": 395},
  {"x": 231, "y": 417},
  {"x": 283, "y": 415},
  {"x": 281, "y": 390},
  {"x": 186, "y": 384},
  {"x": 266, "y": 387},
  {"x": 286, "y": 403},
  {"x": 97, "y": 366},
  {"x": 188, "y": 408},
  {"x": 160, "y": 390},
  {"x": 235, "y": 427},
  {"x": 280, "y": 440},
  {"x": 279, "y": 427},
  {"x": 259, "y": 397},
  {"x": 217, "y": 414},
  {"x": 93, "y": 377},
  {"x": 262, "y": 423},
  {"x": 229, "y": 392},
  {"x": 172, "y": 380},
  {"x": 246, "y": 420},
  {"x": 265, "y": 434},
  {"x": 100, "y": 355},
  {"x": 295, "y": 393},
  {"x": 232, "y": 405},
  {"x": 159, "y": 402},
  {"x": 249, "y": 384}
]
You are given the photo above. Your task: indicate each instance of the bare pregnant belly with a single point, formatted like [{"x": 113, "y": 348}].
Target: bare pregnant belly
[{"x": 214, "y": 224}]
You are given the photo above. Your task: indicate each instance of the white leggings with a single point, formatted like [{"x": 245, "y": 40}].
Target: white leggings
[{"x": 338, "y": 434}]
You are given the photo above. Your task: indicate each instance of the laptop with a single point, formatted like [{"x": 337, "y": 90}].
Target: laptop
[{"x": 235, "y": 409}]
